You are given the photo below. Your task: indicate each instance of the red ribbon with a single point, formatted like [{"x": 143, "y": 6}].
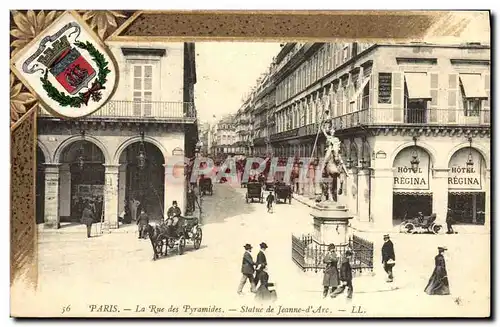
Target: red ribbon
[{"x": 95, "y": 87}]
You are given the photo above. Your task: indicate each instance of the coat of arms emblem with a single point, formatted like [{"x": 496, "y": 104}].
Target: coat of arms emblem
[{"x": 68, "y": 68}]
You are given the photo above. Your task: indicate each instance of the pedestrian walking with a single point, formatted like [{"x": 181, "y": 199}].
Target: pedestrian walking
[
  {"x": 388, "y": 257},
  {"x": 438, "y": 283},
  {"x": 88, "y": 218},
  {"x": 345, "y": 276},
  {"x": 142, "y": 223},
  {"x": 247, "y": 270},
  {"x": 270, "y": 200},
  {"x": 331, "y": 273},
  {"x": 449, "y": 222},
  {"x": 261, "y": 262}
]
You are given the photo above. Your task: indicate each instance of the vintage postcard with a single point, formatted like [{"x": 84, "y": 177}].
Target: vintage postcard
[{"x": 250, "y": 164}]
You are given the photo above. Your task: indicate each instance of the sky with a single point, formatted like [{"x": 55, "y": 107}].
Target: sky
[{"x": 225, "y": 72}]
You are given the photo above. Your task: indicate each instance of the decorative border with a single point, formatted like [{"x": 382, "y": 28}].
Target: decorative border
[{"x": 181, "y": 26}]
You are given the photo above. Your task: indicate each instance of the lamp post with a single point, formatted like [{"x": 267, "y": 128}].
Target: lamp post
[
  {"x": 470, "y": 161},
  {"x": 415, "y": 161},
  {"x": 81, "y": 158},
  {"x": 141, "y": 158}
]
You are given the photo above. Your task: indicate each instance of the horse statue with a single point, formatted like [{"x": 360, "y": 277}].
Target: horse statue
[{"x": 333, "y": 164}]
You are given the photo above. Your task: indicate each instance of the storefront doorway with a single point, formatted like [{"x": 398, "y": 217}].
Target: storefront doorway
[
  {"x": 408, "y": 205},
  {"x": 467, "y": 207}
]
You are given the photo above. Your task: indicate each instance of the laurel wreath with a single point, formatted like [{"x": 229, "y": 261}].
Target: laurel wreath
[{"x": 77, "y": 101}]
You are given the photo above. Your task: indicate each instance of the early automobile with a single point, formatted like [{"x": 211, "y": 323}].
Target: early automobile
[
  {"x": 283, "y": 192},
  {"x": 421, "y": 225},
  {"x": 254, "y": 191},
  {"x": 206, "y": 186}
]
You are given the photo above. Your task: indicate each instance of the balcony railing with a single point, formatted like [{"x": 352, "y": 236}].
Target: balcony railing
[
  {"x": 433, "y": 117},
  {"x": 142, "y": 110}
]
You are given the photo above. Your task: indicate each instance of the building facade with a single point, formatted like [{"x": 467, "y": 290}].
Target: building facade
[
  {"x": 223, "y": 135},
  {"x": 130, "y": 148},
  {"x": 414, "y": 121}
]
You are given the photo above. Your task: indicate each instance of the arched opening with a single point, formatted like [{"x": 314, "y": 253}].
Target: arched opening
[
  {"x": 466, "y": 187},
  {"x": 412, "y": 189},
  {"x": 81, "y": 179},
  {"x": 141, "y": 181},
  {"x": 40, "y": 185}
]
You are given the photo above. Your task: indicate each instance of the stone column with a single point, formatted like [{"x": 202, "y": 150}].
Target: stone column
[
  {"x": 352, "y": 191},
  {"x": 381, "y": 197},
  {"x": 122, "y": 187},
  {"x": 51, "y": 215},
  {"x": 440, "y": 194},
  {"x": 363, "y": 196},
  {"x": 487, "y": 200},
  {"x": 111, "y": 195},
  {"x": 65, "y": 191}
]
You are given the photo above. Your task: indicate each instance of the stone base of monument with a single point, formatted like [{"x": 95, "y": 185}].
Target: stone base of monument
[{"x": 331, "y": 222}]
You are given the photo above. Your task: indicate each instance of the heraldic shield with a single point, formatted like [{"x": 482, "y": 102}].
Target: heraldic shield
[{"x": 68, "y": 67}]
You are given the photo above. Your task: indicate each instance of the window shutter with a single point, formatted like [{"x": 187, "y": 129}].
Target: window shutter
[
  {"x": 434, "y": 94},
  {"x": 397, "y": 96},
  {"x": 373, "y": 87},
  {"x": 486, "y": 105},
  {"x": 452, "y": 97}
]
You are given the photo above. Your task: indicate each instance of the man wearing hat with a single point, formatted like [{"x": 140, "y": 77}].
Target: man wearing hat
[
  {"x": 438, "y": 283},
  {"x": 450, "y": 221},
  {"x": 331, "y": 273},
  {"x": 388, "y": 257},
  {"x": 261, "y": 262},
  {"x": 247, "y": 270},
  {"x": 345, "y": 276},
  {"x": 174, "y": 210}
]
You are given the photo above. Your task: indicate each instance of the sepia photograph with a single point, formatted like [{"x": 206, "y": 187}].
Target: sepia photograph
[{"x": 185, "y": 177}]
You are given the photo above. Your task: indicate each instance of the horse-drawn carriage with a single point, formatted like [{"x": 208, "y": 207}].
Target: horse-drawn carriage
[
  {"x": 254, "y": 191},
  {"x": 420, "y": 225},
  {"x": 206, "y": 186},
  {"x": 283, "y": 192},
  {"x": 170, "y": 234}
]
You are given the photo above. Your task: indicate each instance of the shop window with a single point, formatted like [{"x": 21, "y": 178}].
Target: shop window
[
  {"x": 408, "y": 205},
  {"x": 467, "y": 207}
]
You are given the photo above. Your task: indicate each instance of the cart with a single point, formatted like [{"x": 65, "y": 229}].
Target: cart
[
  {"x": 206, "y": 186},
  {"x": 254, "y": 191},
  {"x": 283, "y": 192}
]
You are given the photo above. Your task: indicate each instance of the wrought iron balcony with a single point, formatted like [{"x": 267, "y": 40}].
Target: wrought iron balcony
[
  {"x": 133, "y": 110},
  {"x": 410, "y": 117}
]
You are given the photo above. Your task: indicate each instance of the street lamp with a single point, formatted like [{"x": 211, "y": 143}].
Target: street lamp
[
  {"x": 141, "y": 158},
  {"x": 81, "y": 158},
  {"x": 415, "y": 161},
  {"x": 470, "y": 161}
]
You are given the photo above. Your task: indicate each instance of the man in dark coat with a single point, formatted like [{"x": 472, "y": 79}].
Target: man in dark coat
[
  {"x": 192, "y": 199},
  {"x": 174, "y": 210},
  {"x": 88, "y": 218},
  {"x": 449, "y": 222},
  {"x": 142, "y": 223},
  {"x": 261, "y": 262},
  {"x": 438, "y": 283},
  {"x": 270, "y": 200},
  {"x": 388, "y": 257},
  {"x": 345, "y": 277},
  {"x": 331, "y": 273},
  {"x": 247, "y": 270}
]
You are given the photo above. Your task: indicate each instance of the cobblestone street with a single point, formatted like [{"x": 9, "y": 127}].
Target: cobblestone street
[{"x": 120, "y": 266}]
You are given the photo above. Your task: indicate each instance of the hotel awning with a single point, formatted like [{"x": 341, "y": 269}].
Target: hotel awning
[
  {"x": 360, "y": 89},
  {"x": 418, "y": 85},
  {"x": 473, "y": 86}
]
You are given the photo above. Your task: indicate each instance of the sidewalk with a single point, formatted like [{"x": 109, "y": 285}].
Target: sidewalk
[{"x": 369, "y": 227}]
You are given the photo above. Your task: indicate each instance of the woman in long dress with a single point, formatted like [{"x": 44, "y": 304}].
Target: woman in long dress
[{"x": 438, "y": 283}]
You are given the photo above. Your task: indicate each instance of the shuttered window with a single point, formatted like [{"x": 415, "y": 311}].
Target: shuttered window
[
  {"x": 434, "y": 106},
  {"x": 452, "y": 97},
  {"x": 142, "y": 89},
  {"x": 486, "y": 103}
]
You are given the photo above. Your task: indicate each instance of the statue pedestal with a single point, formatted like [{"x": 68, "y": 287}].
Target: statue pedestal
[{"x": 331, "y": 221}]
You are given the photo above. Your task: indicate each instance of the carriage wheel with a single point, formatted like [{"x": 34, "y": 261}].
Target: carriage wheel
[
  {"x": 409, "y": 227},
  {"x": 182, "y": 244},
  {"x": 197, "y": 238},
  {"x": 435, "y": 228}
]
